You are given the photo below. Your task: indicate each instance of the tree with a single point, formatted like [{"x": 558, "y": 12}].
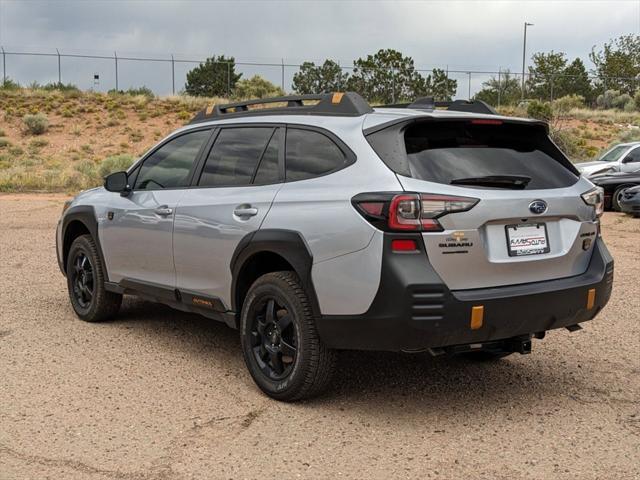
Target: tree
[
  {"x": 324, "y": 78},
  {"x": 506, "y": 87},
  {"x": 213, "y": 78},
  {"x": 619, "y": 58},
  {"x": 574, "y": 81},
  {"x": 385, "y": 77},
  {"x": 256, "y": 87},
  {"x": 545, "y": 73},
  {"x": 437, "y": 85}
]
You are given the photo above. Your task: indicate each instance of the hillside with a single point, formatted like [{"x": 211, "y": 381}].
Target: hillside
[{"x": 90, "y": 134}]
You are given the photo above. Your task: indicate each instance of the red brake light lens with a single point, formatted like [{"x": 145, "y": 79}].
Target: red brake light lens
[{"x": 410, "y": 211}]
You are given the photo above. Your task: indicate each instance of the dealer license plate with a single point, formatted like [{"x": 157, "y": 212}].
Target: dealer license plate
[{"x": 527, "y": 239}]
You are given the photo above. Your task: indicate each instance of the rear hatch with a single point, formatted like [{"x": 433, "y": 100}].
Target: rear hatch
[{"x": 530, "y": 222}]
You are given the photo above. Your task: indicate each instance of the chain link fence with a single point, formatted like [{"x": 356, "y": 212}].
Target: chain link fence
[{"x": 167, "y": 75}]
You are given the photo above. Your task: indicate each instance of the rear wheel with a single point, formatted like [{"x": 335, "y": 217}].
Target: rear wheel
[
  {"x": 617, "y": 196},
  {"x": 85, "y": 282},
  {"x": 280, "y": 343}
]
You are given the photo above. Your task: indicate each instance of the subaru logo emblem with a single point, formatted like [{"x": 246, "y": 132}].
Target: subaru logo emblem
[{"x": 538, "y": 207}]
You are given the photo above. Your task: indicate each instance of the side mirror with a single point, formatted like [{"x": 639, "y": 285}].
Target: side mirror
[{"x": 117, "y": 182}]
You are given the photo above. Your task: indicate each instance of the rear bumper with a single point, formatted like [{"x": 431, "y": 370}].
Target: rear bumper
[{"x": 414, "y": 310}]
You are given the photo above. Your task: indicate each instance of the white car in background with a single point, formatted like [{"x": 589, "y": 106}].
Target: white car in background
[{"x": 624, "y": 157}]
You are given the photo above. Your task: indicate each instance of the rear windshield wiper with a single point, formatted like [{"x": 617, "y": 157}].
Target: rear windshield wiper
[{"x": 514, "y": 182}]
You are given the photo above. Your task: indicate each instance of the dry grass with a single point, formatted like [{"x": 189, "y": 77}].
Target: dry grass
[
  {"x": 90, "y": 133},
  {"x": 84, "y": 130}
]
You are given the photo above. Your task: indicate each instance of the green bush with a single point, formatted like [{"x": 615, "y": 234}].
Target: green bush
[
  {"x": 62, "y": 87},
  {"x": 621, "y": 101},
  {"x": 4, "y": 142},
  {"x": 636, "y": 99},
  {"x": 605, "y": 100},
  {"x": 146, "y": 91},
  {"x": 115, "y": 163},
  {"x": 568, "y": 102},
  {"x": 540, "y": 110},
  {"x": 256, "y": 87},
  {"x": 36, "y": 124},
  {"x": 9, "y": 84}
]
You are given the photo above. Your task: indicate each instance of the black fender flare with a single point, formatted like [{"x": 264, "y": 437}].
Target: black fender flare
[
  {"x": 86, "y": 215},
  {"x": 288, "y": 244}
]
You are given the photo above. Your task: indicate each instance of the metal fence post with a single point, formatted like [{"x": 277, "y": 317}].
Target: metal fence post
[
  {"x": 4, "y": 67},
  {"x": 499, "y": 85},
  {"x": 551, "y": 82},
  {"x": 282, "y": 74},
  {"x": 173, "y": 75},
  {"x": 228, "y": 80},
  {"x": 59, "y": 71},
  {"x": 115, "y": 57},
  {"x": 393, "y": 86},
  {"x": 469, "y": 97}
]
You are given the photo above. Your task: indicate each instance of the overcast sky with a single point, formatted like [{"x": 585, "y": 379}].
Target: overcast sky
[{"x": 460, "y": 35}]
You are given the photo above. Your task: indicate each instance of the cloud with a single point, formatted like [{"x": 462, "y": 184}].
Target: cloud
[{"x": 463, "y": 35}]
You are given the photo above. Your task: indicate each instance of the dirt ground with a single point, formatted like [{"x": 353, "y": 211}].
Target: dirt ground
[{"x": 158, "y": 394}]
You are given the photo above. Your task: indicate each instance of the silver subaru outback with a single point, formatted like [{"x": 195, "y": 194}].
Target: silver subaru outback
[{"x": 317, "y": 223}]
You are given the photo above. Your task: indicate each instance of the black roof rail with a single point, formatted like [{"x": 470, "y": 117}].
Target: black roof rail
[
  {"x": 428, "y": 103},
  {"x": 345, "y": 104}
]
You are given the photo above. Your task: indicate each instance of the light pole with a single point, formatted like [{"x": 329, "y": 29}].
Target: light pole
[{"x": 524, "y": 55}]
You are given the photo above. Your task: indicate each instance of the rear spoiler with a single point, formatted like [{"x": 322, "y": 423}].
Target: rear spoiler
[{"x": 428, "y": 103}]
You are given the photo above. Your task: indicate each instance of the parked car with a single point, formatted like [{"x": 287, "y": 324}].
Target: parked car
[
  {"x": 326, "y": 225},
  {"x": 614, "y": 184},
  {"x": 624, "y": 157},
  {"x": 630, "y": 201}
]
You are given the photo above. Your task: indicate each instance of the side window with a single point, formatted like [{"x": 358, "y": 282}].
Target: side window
[
  {"x": 170, "y": 165},
  {"x": 310, "y": 154},
  {"x": 268, "y": 171},
  {"x": 234, "y": 156},
  {"x": 633, "y": 156}
]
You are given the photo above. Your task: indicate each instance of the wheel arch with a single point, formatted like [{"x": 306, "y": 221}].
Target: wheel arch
[
  {"x": 80, "y": 220},
  {"x": 270, "y": 250}
]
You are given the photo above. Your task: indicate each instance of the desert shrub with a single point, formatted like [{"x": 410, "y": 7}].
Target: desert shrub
[
  {"x": 145, "y": 91},
  {"x": 605, "y": 100},
  {"x": 4, "y": 142},
  {"x": 2, "y": 133},
  {"x": 36, "y": 124},
  {"x": 540, "y": 110},
  {"x": 631, "y": 135},
  {"x": 9, "y": 84},
  {"x": 621, "y": 101},
  {"x": 568, "y": 102},
  {"x": 630, "y": 106},
  {"x": 38, "y": 143},
  {"x": 115, "y": 163},
  {"x": 256, "y": 87},
  {"x": 636, "y": 99},
  {"x": 87, "y": 168},
  {"x": 61, "y": 87}
]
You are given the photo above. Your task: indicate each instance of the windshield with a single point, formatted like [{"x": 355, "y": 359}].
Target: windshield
[{"x": 614, "y": 154}]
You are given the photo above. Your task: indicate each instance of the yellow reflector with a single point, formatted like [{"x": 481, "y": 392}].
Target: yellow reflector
[
  {"x": 477, "y": 314},
  {"x": 337, "y": 97},
  {"x": 209, "y": 109},
  {"x": 591, "y": 298}
]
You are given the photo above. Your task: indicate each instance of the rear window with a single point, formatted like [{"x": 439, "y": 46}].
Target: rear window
[{"x": 453, "y": 152}]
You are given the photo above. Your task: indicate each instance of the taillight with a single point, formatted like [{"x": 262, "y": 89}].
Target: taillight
[
  {"x": 595, "y": 198},
  {"x": 410, "y": 211}
]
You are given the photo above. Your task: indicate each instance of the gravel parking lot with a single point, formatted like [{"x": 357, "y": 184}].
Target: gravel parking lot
[{"x": 158, "y": 394}]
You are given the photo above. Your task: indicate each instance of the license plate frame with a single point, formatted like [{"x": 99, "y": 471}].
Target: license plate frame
[{"x": 524, "y": 250}]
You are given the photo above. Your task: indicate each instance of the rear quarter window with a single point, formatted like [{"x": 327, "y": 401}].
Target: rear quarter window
[
  {"x": 445, "y": 151},
  {"x": 310, "y": 154}
]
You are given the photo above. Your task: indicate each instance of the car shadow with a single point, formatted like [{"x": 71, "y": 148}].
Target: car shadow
[{"x": 413, "y": 381}]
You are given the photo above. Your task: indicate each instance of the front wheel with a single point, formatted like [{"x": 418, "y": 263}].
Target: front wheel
[
  {"x": 280, "y": 343},
  {"x": 617, "y": 196},
  {"x": 85, "y": 282}
]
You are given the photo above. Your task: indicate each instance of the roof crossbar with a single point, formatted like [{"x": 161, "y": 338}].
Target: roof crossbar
[{"x": 347, "y": 104}]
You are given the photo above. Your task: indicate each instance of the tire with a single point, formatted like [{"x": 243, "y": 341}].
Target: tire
[
  {"x": 280, "y": 343},
  {"x": 85, "y": 283},
  {"x": 615, "y": 199}
]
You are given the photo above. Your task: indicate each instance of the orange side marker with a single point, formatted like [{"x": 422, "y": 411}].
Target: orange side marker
[
  {"x": 477, "y": 315},
  {"x": 591, "y": 298}
]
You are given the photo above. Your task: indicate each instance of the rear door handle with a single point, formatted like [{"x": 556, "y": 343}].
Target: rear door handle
[
  {"x": 164, "y": 211},
  {"x": 245, "y": 211}
]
